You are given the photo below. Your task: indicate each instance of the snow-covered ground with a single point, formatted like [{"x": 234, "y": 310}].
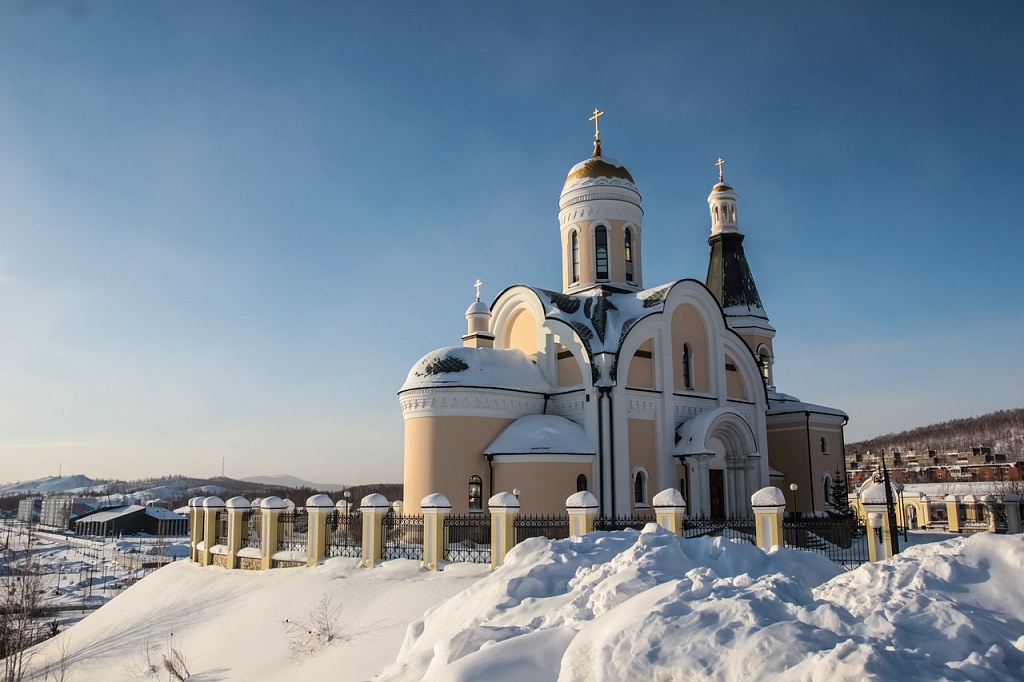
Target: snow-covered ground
[{"x": 609, "y": 606}]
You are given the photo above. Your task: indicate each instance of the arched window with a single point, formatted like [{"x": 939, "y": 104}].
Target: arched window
[
  {"x": 687, "y": 367},
  {"x": 575, "y": 256},
  {"x": 476, "y": 494},
  {"x": 601, "y": 252},
  {"x": 629, "y": 255},
  {"x": 824, "y": 445},
  {"x": 826, "y": 483},
  {"x": 640, "y": 487},
  {"x": 581, "y": 483}
]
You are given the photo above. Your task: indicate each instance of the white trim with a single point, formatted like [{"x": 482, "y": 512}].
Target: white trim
[{"x": 584, "y": 458}]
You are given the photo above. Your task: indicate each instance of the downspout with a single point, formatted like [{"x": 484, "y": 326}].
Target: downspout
[
  {"x": 605, "y": 393},
  {"x": 547, "y": 397},
  {"x": 490, "y": 476},
  {"x": 810, "y": 469},
  {"x": 611, "y": 443},
  {"x": 600, "y": 443}
]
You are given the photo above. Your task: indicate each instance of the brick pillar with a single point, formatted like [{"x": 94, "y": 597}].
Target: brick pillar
[
  {"x": 436, "y": 509},
  {"x": 236, "y": 506},
  {"x": 318, "y": 509},
  {"x": 211, "y": 505},
  {"x": 270, "y": 509},
  {"x": 195, "y": 527},
  {"x": 953, "y": 513},
  {"x": 769, "y": 506},
  {"x": 582, "y": 510},
  {"x": 374, "y": 507},
  {"x": 504, "y": 510},
  {"x": 670, "y": 510},
  {"x": 1011, "y": 501}
]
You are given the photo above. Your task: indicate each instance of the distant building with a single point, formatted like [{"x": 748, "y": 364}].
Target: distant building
[
  {"x": 132, "y": 520},
  {"x": 30, "y": 509}
]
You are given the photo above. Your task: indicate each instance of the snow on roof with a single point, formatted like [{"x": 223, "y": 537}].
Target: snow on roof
[
  {"x": 545, "y": 434},
  {"x": 781, "y": 403},
  {"x": 483, "y": 367},
  {"x": 164, "y": 514},
  {"x": 768, "y": 497}
]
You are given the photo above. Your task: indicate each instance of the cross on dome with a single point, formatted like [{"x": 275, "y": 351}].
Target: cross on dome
[
  {"x": 720, "y": 163},
  {"x": 477, "y": 285},
  {"x": 595, "y": 118}
]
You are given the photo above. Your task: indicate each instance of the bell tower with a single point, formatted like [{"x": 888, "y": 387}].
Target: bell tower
[{"x": 601, "y": 224}]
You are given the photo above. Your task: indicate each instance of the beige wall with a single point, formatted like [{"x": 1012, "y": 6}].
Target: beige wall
[
  {"x": 568, "y": 367},
  {"x": 688, "y": 327},
  {"x": 522, "y": 333},
  {"x": 736, "y": 388},
  {"x": 441, "y": 453},
  {"x": 642, "y": 453},
  {"x": 543, "y": 486},
  {"x": 641, "y": 368},
  {"x": 788, "y": 445}
]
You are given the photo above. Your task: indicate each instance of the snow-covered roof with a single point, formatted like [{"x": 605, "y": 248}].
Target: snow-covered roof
[
  {"x": 781, "y": 403},
  {"x": 472, "y": 367},
  {"x": 544, "y": 434}
]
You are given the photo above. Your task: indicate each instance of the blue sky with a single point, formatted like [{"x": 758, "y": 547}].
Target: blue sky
[{"x": 227, "y": 230}]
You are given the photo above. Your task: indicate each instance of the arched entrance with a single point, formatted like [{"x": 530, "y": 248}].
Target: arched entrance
[{"x": 721, "y": 454}]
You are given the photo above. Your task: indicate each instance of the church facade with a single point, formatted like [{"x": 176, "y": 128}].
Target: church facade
[{"x": 614, "y": 387}]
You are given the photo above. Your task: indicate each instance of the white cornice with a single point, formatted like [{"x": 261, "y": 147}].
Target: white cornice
[{"x": 466, "y": 401}]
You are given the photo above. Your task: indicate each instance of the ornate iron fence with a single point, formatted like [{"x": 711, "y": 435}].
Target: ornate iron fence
[
  {"x": 292, "y": 531},
  {"x": 222, "y": 527},
  {"x": 843, "y": 541},
  {"x": 551, "y": 527},
  {"x": 402, "y": 537},
  {"x": 622, "y": 522},
  {"x": 468, "y": 538},
  {"x": 252, "y": 527},
  {"x": 345, "y": 535},
  {"x": 737, "y": 528}
]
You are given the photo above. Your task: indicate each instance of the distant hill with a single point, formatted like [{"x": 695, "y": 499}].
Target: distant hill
[
  {"x": 287, "y": 481},
  {"x": 1003, "y": 431},
  {"x": 49, "y": 485}
]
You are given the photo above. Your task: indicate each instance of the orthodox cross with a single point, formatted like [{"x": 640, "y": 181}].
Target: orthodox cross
[
  {"x": 597, "y": 128},
  {"x": 720, "y": 163},
  {"x": 477, "y": 285}
]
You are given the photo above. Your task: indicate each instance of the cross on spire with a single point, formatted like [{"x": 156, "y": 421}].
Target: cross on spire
[
  {"x": 597, "y": 127},
  {"x": 477, "y": 285},
  {"x": 720, "y": 163}
]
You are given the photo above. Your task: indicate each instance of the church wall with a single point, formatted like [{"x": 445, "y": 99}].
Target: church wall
[
  {"x": 736, "y": 389},
  {"x": 543, "y": 486},
  {"x": 688, "y": 327},
  {"x": 522, "y": 333},
  {"x": 794, "y": 448},
  {"x": 441, "y": 453},
  {"x": 641, "y": 367},
  {"x": 642, "y": 440},
  {"x": 568, "y": 368}
]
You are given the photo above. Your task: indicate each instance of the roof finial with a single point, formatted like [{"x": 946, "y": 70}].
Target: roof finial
[
  {"x": 597, "y": 130},
  {"x": 720, "y": 163},
  {"x": 477, "y": 285}
]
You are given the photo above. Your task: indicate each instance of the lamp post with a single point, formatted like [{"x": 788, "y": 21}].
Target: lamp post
[
  {"x": 793, "y": 487},
  {"x": 903, "y": 509}
]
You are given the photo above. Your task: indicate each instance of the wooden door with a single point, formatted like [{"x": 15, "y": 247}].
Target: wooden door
[{"x": 716, "y": 492}]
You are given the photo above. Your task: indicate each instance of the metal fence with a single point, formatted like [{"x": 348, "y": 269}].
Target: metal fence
[
  {"x": 843, "y": 541},
  {"x": 292, "y": 531},
  {"x": 551, "y": 527},
  {"x": 345, "y": 535},
  {"x": 468, "y": 538},
  {"x": 222, "y": 527},
  {"x": 622, "y": 522},
  {"x": 738, "y": 528},
  {"x": 252, "y": 526},
  {"x": 402, "y": 537}
]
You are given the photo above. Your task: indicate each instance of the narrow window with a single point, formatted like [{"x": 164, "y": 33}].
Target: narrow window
[
  {"x": 687, "y": 367},
  {"x": 476, "y": 494},
  {"x": 640, "y": 487},
  {"x": 581, "y": 483},
  {"x": 629, "y": 246},
  {"x": 827, "y": 484},
  {"x": 824, "y": 445},
  {"x": 575, "y": 257},
  {"x": 601, "y": 260}
]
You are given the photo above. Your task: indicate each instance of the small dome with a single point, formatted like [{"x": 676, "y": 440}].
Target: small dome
[
  {"x": 478, "y": 308},
  {"x": 721, "y": 187},
  {"x": 598, "y": 170},
  {"x": 476, "y": 367}
]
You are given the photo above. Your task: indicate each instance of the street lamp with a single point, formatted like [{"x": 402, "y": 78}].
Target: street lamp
[{"x": 793, "y": 487}]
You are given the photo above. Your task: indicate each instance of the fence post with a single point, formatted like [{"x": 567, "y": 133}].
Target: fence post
[
  {"x": 582, "y": 510},
  {"x": 504, "y": 510},
  {"x": 990, "y": 511},
  {"x": 435, "y": 508},
  {"x": 211, "y": 505},
  {"x": 195, "y": 527},
  {"x": 670, "y": 510},
  {"x": 769, "y": 507},
  {"x": 270, "y": 510},
  {"x": 237, "y": 506},
  {"x": 876, "y": 540},
  {"x": 374, "y": 507},
  {"x": 953, "y": 513},
  {"x": 1011, "y": 503},
  {"x": 318, "y": 509},
  {"x": 926, "y": 511},
  {"x": 877, "y": 510}
]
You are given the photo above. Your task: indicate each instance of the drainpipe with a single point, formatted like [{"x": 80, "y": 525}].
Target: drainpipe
[
  {"x": 810, "y": 468},
  {"x": 605, "y": 393},
  {"x": 600, "y": 444},
  {"x": 490, "y": 476}
]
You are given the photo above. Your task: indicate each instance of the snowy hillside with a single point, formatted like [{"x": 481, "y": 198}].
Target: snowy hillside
[
  {"x": 609, "y": 606},
  {"x": 49, "y": 485}
]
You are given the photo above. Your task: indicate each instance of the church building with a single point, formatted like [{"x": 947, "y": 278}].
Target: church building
[{"x": 614, "y": 387}]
